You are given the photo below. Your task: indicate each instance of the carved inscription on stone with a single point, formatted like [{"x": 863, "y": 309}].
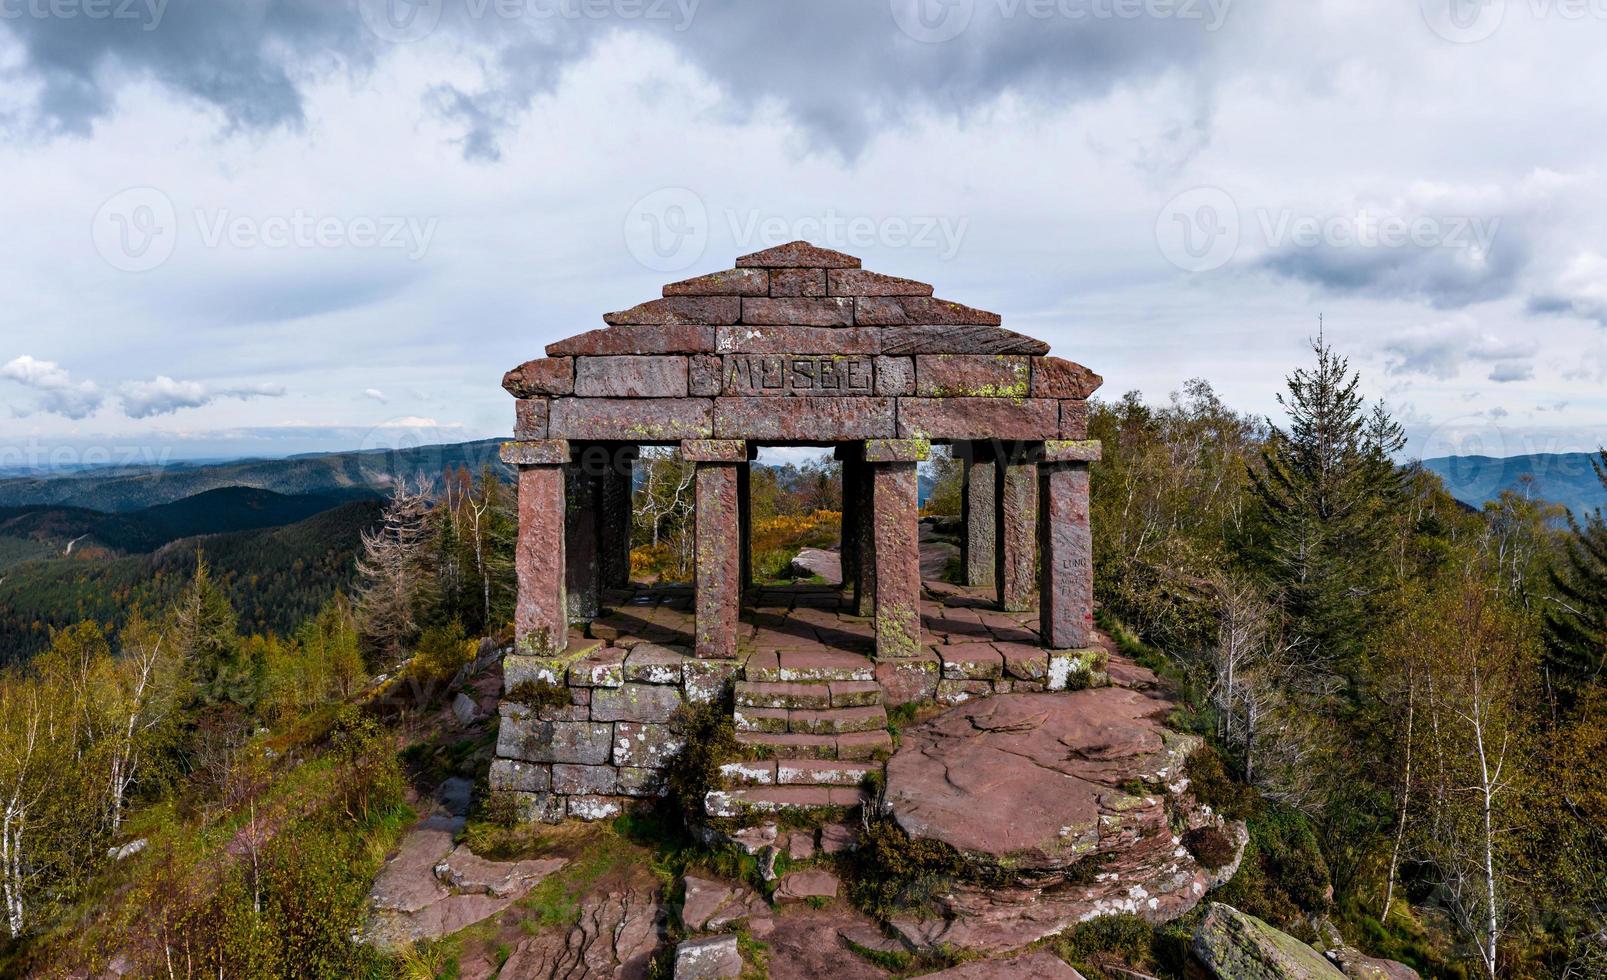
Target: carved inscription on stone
[{"x": 798, "y": 374}]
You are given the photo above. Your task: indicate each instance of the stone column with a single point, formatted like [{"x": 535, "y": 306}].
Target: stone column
[
  {"x": 1066, "y": 584},
  {"x": 618, "y": 517},
  {"x": 583, "y": 546},
  {"x": 541, "y": 616},
  {"x": 896, "y": 532},
  {"x": 718, "y": 543},
  {"x": 1016, "y": 560},
  {"x": 978, "y": 496}
]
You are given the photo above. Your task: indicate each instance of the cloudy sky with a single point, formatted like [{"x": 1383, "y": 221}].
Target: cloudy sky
[{"x": 276, "y": 226}]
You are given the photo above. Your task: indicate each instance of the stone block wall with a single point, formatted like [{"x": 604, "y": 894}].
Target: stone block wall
[
  {"x": 871, "y": 356},
  {"x": 613, "y": 739}
]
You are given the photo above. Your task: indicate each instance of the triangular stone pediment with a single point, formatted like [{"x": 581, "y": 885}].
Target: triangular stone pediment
[{"x": 876, "y": 355}]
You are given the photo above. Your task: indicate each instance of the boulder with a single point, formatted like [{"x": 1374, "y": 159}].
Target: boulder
[
  {"x": 717, "y": 904},
  {"x": 1029, "y": 787},
  {"x": 708, "y": 959},
  {"x": 814, "y": 561},
  {"x": 1236, "y": 946},
  {"x": 1356, "y": 964},
  {"x": 799, "y": 885}
]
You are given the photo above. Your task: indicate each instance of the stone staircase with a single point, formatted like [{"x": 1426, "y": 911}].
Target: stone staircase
[{"x": 815, "y": 728}]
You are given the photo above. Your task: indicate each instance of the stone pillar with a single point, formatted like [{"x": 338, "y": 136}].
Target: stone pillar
[
  {"x": 541, "y": 616},
  {"x": 618, "y": 517},
  {"x": 583, "y": 546},
  {"x": 1016, "y": 516},
  {"x": 718, "y": 543},
  {"x": 978, "y": 497},
  {"x": 1066, "y": 584},
  {"x": 896, "y": 532}
]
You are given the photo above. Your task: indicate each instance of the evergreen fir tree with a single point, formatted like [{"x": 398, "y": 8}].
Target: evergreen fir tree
[
  {"x": 1323, "y": 492},
  {"x": 1575, "y": 627}
]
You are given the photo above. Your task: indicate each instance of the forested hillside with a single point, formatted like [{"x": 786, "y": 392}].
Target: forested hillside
[
  {"x": 124, "y": 489},
  {"x": 274, "y": 577}
]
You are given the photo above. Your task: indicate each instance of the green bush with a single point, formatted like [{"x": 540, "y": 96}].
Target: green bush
[
  {"x": 893, "y": 872},
  {"x": 1209, "y": 780},
  {"x": 1209, "y": 846}
]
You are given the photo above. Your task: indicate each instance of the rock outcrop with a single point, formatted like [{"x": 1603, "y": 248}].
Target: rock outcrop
[
  {"x": 1067, "y": 806},
  {"x": 616, "y": 937},
  {"x": 1236, "y": 946}
]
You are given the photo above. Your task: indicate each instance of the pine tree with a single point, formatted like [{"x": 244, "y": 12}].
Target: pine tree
[
  {"x": 1575, "y": 627},
  {"x": 1326, "y": 485},
  {"x": 205, "y": 636}
]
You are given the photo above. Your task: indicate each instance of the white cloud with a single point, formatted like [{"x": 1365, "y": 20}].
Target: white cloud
[
  {"x": 375, "y": 394},
  {"x": 164, "y": 396},
  {"x": 58, "y": 393}
]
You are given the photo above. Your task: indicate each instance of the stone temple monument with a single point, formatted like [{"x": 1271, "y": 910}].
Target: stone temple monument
[{"x": 795, "y": 346}]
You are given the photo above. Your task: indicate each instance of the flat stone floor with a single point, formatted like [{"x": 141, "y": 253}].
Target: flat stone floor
[{"x": 809, "y": 618}]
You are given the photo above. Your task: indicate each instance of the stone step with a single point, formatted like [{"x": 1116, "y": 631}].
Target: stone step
[
  {"x": 769, "y": 799},
  {"x": 858, "y": 746},
  {"x": 810, "y": 721},
  {"x": 808, "y": 694},
  {"x": 798, "y": 772},
  {"x": 785, "y": 666}
]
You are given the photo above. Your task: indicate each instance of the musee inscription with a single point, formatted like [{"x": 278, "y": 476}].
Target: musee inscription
[{"x": 798, "y": 374}]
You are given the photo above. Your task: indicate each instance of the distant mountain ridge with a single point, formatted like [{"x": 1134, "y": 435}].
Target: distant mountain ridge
[
  {"x": 136, "y": 488},
  {"x": 1562, "y": 478}
]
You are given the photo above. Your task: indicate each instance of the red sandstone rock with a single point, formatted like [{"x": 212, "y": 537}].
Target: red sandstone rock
[
  {"x": 754, "y": 339},
  {"x": 798, "y": 374},
  {"x": 978, "y": 418},
  {"x": 898, "y": 561},
  {"x": 541, "y": 613},
  {"x": 798, "y": 254},
  {"x": 669, "y": 338},
  {"x": 1073, "y": 420},
  {"x": 973, "y": 375},
  {"x": 808, "y": 419},
  {"x": 900, "y": 310},
  {"x": 878, "y": 311},
  {"x": 726, "y": 282},
  {"x": 963, "y": 339},
  {"x": 719, "y": 572},
  {"x": 678, "y": 309},
  {"x": 798, "y": 282},
  {"x": 895, "y": 376},
  {"x": 703, "y": 375},
  {"x": 1029, "y": 966},
  {"x": 910, "y": 679},
  {"x": 1054, "y": 377},
  {"x": 799, "y": 310},
  {"x": 859, "y": 282},
  {"x": 530, "y": 418},
  {"x": 659, "y": 420},
  {"x": 796, "y": 886},
  {"x": 1066, "y": 571},
  {"x": 631, "y": 376},
  {"x": 1016, "y": 564},
  {"x": 542, "y": 376}
]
